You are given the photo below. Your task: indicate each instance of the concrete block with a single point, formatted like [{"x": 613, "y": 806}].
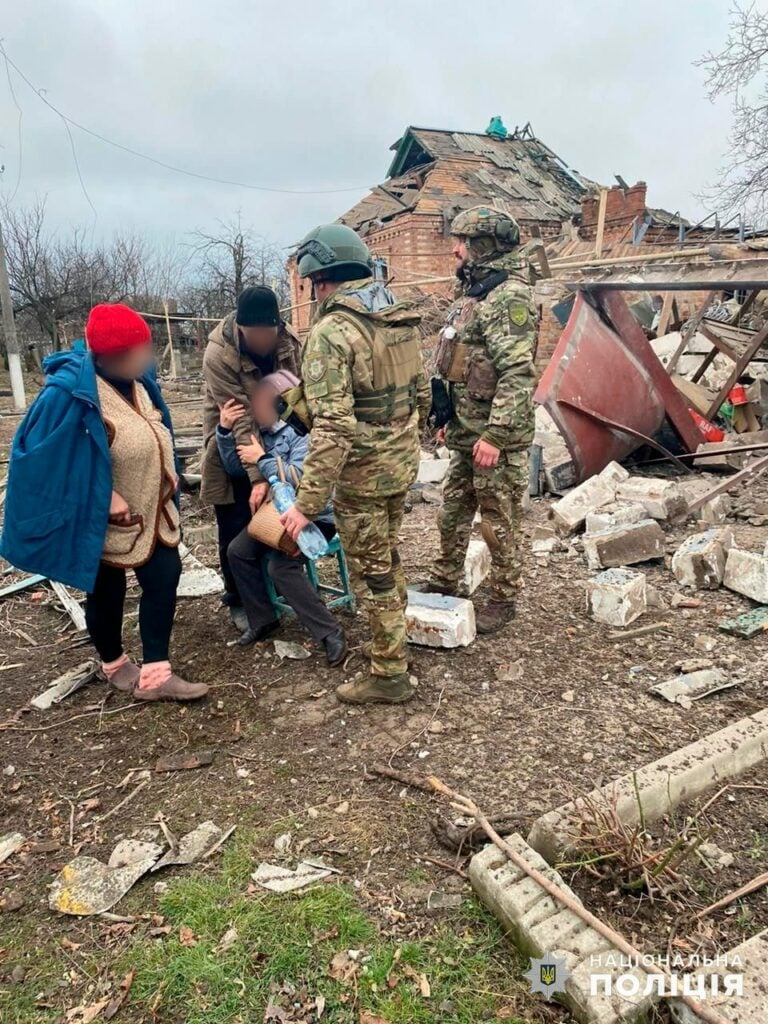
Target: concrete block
[
  {"x": 711, "y": 456},
  {"x": 432, "y": 471},
  {"x": 571, "y": 511},
  {"x": 661, "y": 499},
  {"x": 616, "y": 597},
  {"x": 625, "y": 545},
  {"x": 436, "y": 621},
  {"x": 699, "y": 562},
  {"x": 197, "y": 580},
  {"x": 663, "y": 785},
  {"x": 540, "y": 925},
  {"x": 716, "y": 510},
  {"x": 618, "y": 513},
  {"x": 747, "y": 961},
  {"x": 205, "y": 533},
  {"x": 746, "y": 572},
  {"x": 477, "y": 564},
  {"x": 559, "y": 470}
]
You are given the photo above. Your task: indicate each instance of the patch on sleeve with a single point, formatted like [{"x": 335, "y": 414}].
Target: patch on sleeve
[
  {"x": 519, "y": 315},
  {"x": 317, "y": 390},
  {"x": 315, "y": 370}
]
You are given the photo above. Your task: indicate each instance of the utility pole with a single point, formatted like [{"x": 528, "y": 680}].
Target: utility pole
[{"x": 9, "y": 333}]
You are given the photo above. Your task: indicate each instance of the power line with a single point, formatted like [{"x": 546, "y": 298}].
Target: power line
[
  {"x": 21, "y": 114},
  {"x": 162, "y": 163}
]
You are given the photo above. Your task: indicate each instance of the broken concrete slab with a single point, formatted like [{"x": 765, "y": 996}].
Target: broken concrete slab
[
  {"x": 625, "y": 545},
  {"x": 477, "y": 564},
  {"x": 658, "y": 788},
  {"x": 436, "y": 621},
  {"x": 65, "y": 685},
  {"x": 746, "y": 572},
  {"x": 617, "y": 597},
  {"x": 540, "y": 925},
  {"x": 87, "y": 886},
  {"x": 280, "y": 879},
  {"x": 746, "y": 626},
  {"x": 192, "y": 847},
  {"x": 745, "y": 1000},
  {"x": 432, "y": 471},
  {"x": 716, "y": 510},
  {"x": 570, "y": 511},
  {"x": 10, "y": 843},
  {"x": 692, "y": 686},
  {"x": 197, "y": 580},
  {"x": 715, "y": 455},
  {"x": 617, "y": 513},
  {"x": 559, "y": 469},
  {"x": 699, "y": 562},
  {"x": 661, "y": 499}
]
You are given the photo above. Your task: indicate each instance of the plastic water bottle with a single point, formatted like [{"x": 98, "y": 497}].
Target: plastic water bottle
[{"x": 311, "y": 541}]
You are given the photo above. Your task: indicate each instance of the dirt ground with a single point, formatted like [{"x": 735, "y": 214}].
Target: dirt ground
[{"x": 577, "y": 715}]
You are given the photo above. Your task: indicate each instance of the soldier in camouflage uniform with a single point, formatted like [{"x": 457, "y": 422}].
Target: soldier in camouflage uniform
[
  {"x": 485, "y": 357},
  {"x": 366, "y": 391}
]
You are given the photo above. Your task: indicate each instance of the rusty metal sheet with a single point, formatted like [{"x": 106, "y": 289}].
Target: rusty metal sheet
[{"x": 592, "y": 374}]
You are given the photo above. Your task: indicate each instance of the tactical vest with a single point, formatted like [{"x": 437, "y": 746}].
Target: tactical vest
[
  {"x": 395, "y": 344},
  {"x": 460, "y": 363}
]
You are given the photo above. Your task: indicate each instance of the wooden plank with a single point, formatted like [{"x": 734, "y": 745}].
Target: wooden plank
[
  {"x": 688, "y": 332},
  {"x": 71, "y": 606},
  {"x": 743, "y": 476},
  {"x": 666, "y": 313},
  {"x": 739, "y": 367},
  {"x": 601, "y": 222}
]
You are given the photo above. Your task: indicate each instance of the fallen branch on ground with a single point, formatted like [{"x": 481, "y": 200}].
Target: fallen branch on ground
[
  {"x": 467, "y": 806},
  {"x": 745, "y": 890}
]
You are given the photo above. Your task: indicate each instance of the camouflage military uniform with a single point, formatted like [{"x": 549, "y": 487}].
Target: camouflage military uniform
[
  {"x": 492, "y": 399},
  {"x": 368, "y": 465}
]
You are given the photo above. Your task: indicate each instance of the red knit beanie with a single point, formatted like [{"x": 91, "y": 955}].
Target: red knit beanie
[{"x": 113, "y": 327}]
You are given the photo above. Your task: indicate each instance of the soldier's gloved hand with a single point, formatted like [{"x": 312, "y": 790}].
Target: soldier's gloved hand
[{"x": 486, "y": 456}]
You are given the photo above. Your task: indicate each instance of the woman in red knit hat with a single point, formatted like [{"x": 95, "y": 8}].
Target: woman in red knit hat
[{"x": 94, "y": 458}]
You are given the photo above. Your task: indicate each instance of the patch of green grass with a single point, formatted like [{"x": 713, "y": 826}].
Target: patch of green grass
[
  {"x": 291, "y": 940},
  {"x": 282, "y": 941}
]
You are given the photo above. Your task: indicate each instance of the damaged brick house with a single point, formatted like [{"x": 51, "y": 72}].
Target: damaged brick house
[{"x": 436, "y": 173}]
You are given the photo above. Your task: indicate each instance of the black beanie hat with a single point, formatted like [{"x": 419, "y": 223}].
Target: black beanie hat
[{"x": 257, "y": 307}]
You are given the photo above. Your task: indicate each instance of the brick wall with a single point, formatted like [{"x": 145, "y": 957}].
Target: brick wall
[{"x": 621, "y": 208}]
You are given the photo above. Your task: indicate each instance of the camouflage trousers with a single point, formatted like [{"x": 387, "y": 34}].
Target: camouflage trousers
[
  {"x": 368, "y": 528},
  {"x": 498, "y": 494}
]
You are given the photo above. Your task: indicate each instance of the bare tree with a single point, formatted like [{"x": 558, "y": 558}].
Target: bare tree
[
  {"x": 228, "y": 260},
  {"x": 739, "y": 70}
]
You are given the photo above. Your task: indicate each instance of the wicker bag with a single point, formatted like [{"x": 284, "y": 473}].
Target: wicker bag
[{"x": 265, "y": 525}]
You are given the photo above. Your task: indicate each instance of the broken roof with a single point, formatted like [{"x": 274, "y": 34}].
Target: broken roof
[{"x": 435, "y": 171}]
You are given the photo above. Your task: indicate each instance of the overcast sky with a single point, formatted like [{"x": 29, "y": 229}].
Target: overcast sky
[{"x": 301, "y": 95}]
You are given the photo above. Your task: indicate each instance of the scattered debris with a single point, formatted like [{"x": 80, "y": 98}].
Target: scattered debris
[
  {"x": 9, "y": 844},
  {"x": 571, "y": 511},
  {"x": 65, "y": 685},
  {"x": 616, "y": 597},
  {"x": 685, "y": 689},
  {"x": 510, "y": 672},
  {"x": 87, "y": 886},
  {"x": 71, "y": 606},
  {"x": 746, "y": 572},
  {"x": 477, "y": 564},
  {"x": 184, "y": 762},
  {"x": 714, "y": 857},
  {"x": 192, "y": 847},
  {"x": 699, "y": 562},
  {"x": 197, "y": 580},
  {"x": 618, "y": 546},
  {"x": 436, "y": 621},
  {"x": 290, "y": 649},
  {"x": 748, "y": 625},
  {"x": 11, "y": 901},
  {"x": 280, "y": 879},
  {"x": 661, "y": 499}
]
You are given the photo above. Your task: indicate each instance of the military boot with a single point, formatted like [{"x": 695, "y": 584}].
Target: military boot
[
  {"x": 430, "y": 585},
  {"x": 376, "y": 690},
  {"x": 494, "y": 615}
]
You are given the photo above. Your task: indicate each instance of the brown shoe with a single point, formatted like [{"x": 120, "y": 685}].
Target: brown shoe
[
  {"x": 494, "y": 615},
  {"x": 174, "y": 688},
  {"x": 376, "y": 690},
  {"x": 126, "y": 677}
]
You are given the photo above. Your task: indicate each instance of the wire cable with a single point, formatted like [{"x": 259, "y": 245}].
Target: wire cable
[
  {"x": 162, "y": 163},
  {"x": 21, "y": 114}
]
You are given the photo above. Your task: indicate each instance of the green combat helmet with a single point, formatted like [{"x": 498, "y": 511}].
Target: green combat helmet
[
  {"x": 334, "y": 251},
  {"x": 485, "y": 222}
]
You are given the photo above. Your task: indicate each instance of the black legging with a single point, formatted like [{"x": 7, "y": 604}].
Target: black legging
[
  {"x": 230, "y": 520},
  {"x": 158, "y": 579}
]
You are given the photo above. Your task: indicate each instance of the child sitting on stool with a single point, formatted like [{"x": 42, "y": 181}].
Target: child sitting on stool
[{"x": 246, "y": 555}]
